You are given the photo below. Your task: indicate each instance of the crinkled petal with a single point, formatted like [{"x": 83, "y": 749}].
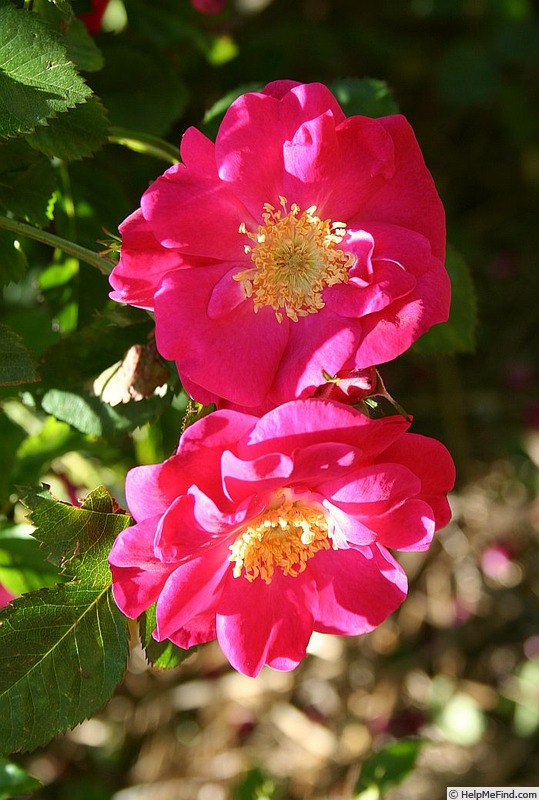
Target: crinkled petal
[
  {"x": 319, "y": 342},
  {"x": 263, "y": 474},
  {"x": 259, "y": 623},
  {"x": 151, "y": 488},
  {"x": 198, "y": 153},
  {"x": 314, "y": 462},
  {"x": 357, "y": 589},
  {"x": 304, "y": 101},
  {"x": 310, "y": 162},
  {"x": 302, "y": 423},
  {"x": 245, "y": 347},
  {"x": 253, "y": 165},
  {"x": 372, "y": 489},
  {"x": 193, "y": 521},
  {"x": 137, "y": 575},
  {"x": 348, "y": 528},
  {"x": 408, "y": 199},
  {"x": 196, "y": 214},
  {"x": 192, "y": 592},
  {"x": 390, "y": 283},
  {"x": 143, "y": 262},
  {"x": 308, "y": 465},
  {"x": 432, "y": 463},
  {"x": 410, "y": 249},
  {"x": 364, "y": 153},
  {"x": 408, "y": 527},
  {"x": 226, "y": 296}
]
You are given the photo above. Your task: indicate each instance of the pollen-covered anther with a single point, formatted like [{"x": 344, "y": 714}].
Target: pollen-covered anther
[
  {"x": 295, "y": 257},
  {"x": 283, "y": 537}
]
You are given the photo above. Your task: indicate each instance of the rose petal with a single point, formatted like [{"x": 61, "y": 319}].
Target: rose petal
[
  {"x": 259, "y": 624},
  {"x": 245, "y": 347},
  {"x": 191, "y": 592},
  {"x": 143, "y": 262},
  {"x": 137, "y": 575},
  {"x": 357, "y": 589}
]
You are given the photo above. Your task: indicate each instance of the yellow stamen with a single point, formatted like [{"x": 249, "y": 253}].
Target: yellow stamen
[
  {"x": 295, "y": 257},
  {"x": 286, "y": 535}
]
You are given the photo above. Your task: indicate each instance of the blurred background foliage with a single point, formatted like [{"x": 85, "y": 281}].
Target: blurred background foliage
[{"x": 458, "y": 665}]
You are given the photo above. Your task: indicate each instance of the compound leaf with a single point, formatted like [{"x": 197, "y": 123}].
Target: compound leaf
[
  {"x": 63, "y": 650},
  {"x": 37, "y": 79},
  {"x": 78, "y": 539},
  {"x": 77, "y": 133}
]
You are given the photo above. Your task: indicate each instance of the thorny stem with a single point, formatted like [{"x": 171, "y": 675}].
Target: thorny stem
[{"x": 82, "y": 253}]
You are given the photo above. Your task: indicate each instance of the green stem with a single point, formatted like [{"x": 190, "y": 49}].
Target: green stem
[
  {"x": 145, "y": 143},
  {"x": 75, "y": 250}
]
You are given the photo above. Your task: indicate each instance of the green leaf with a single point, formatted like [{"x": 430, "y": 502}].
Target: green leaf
[
  {"x": 78, "y": 539},
  {"x": 23, "y": 567},
  {"x": 457, "y": 335},
  {"x": 366, "y": 96},
  {"x": 16, "y": 364},
  {"x": 80, "y": 357},
  {"x": 27, "y": 182},
  {"x": 386, "y": 768},
  {"x": 13, "y": 263},
  {"x": 163, "y": 655},
  {"x": 14, "y": 781},
  {"x": 63, "y": 651},
  {"x": 37, "y": 80},
  {"x": 77, "y": 133},
  {"x": 82, "y": 48},
  {"x": 90, "y": 415}
]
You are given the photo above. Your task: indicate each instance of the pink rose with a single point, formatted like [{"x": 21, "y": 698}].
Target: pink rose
[
  {"x": 302, "y": 241},
  {"x": 259, "y": 531}
]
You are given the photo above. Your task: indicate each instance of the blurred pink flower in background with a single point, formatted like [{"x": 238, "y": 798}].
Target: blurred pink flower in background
[
  {"x": 208, "y": 6},
  {"x": 260, "y": 531},
  {"x": 93, "y": 19},
  {"x": 5, "y": 596},
  {"x": 300, "y": 242}
]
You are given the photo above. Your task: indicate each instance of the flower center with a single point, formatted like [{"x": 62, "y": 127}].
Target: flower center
[
  {"x": 295, "y": 257},
  {"x": 286, "y": 535}
]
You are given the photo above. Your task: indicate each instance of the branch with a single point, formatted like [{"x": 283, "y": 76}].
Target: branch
[
  {"x": 82, "y": 253},
  {"x": 145, "y": 143}
]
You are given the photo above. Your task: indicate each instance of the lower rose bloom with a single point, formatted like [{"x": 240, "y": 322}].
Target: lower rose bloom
[{"x": 259, "y": 531}]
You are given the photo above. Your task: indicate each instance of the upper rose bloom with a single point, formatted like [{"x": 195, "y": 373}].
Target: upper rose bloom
[
  {"x": 300, "y": 241},
  {"x": 260, "y": 530}
]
